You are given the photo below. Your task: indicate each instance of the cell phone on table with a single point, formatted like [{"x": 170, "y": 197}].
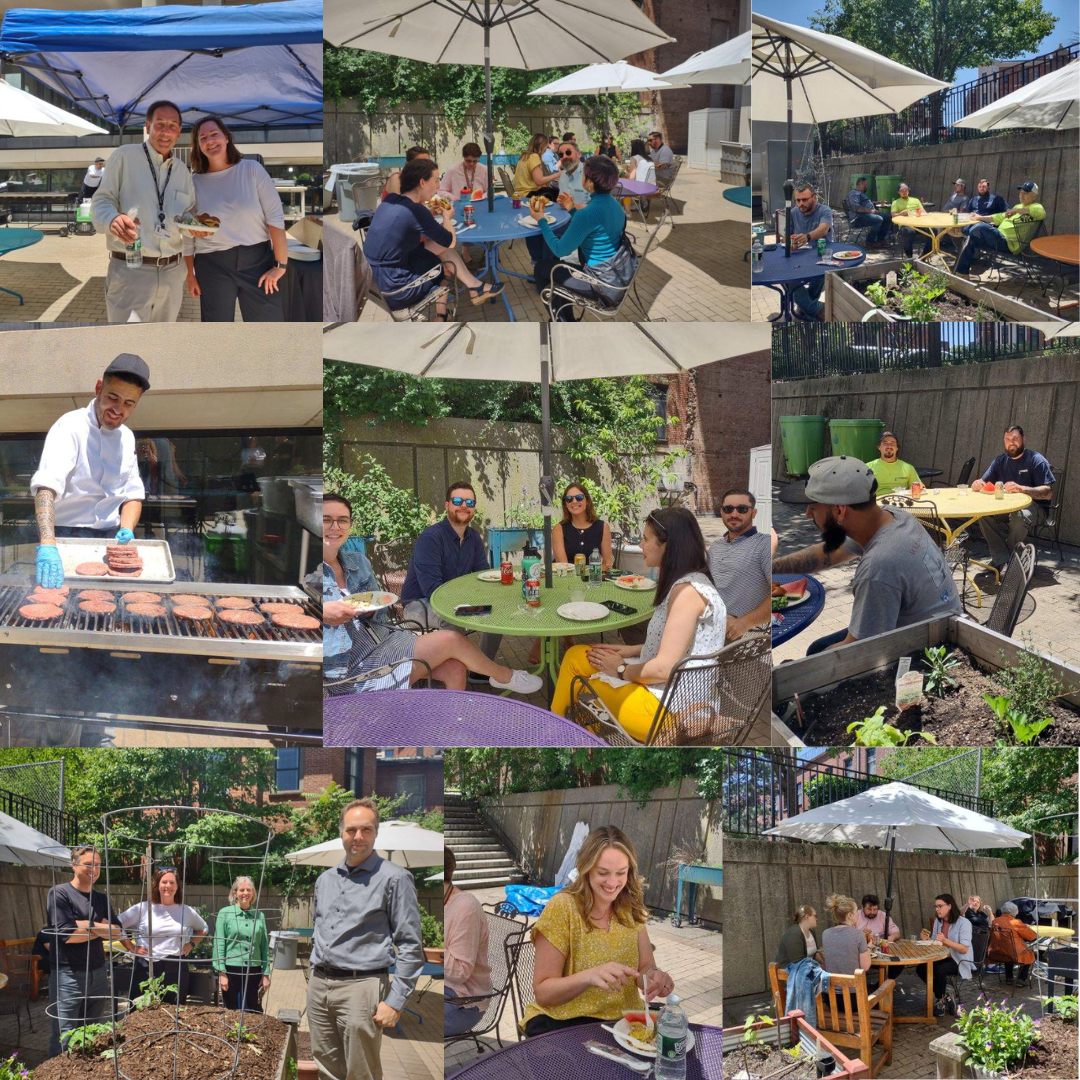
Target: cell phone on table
[
  {"x": 619, "y": 609},
  {"x": 473, "y": 609}
]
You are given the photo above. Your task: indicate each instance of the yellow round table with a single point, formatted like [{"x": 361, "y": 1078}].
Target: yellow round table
[
  {"x": 932, "y": 226},
  {"x": 959, "y": 508},
  {"x": 1054, "y": 931}
]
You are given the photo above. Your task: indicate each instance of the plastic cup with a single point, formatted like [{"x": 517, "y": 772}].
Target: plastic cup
[{"x": 577, "y": 594}]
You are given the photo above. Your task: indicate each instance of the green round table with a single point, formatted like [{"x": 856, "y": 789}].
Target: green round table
[{"x": 512, "y": 618}]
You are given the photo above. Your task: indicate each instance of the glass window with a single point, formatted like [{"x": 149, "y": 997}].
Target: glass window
[
  {"x": 871, "y": 760},
  {"x": 413, "y": 787},
  {"x": 288, "y": 769},
  {"x": 354, "y": 771}
]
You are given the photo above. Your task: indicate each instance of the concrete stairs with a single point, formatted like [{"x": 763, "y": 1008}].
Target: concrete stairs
[{"x": 482, "y": 861}]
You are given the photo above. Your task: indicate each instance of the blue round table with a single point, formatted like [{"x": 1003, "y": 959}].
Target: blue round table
[
  {"x": 784, "y": 275},
  {"x": 739, "y": 195},
  {"x": 493, "y": 228},
  {"x": 13, "y": 240},
  {"x": 798, "y": 618}
]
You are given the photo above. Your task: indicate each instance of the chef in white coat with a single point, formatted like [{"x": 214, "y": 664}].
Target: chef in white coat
[{"x": 87, "y": 482}]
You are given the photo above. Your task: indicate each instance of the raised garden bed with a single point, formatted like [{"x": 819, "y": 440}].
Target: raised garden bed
[
  {"x": 766, "y": 1060},
  {"x": 964, "y": 301},
  {"x": 198, "y": 1056},
  {"x": 1055, "y": 1055},
  {"x": 840, "y": 686}
]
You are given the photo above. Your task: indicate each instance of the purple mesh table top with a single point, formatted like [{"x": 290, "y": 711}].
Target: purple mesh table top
[
  {"x": 561, "y": 1055},
  {"x": 797, "y": 619},
  {"x": 444, "y": 718}
]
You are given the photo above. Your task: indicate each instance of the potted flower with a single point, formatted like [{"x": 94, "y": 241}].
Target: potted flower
[
  {"x": 996, "y": 1039},
  {"x": 432, "y": 936}
]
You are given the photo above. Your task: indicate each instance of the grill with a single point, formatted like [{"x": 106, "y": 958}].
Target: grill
[{"x": 166, "y": 672}]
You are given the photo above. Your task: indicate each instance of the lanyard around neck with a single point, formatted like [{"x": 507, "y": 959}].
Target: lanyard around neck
[{"x": 160, "y": 193}]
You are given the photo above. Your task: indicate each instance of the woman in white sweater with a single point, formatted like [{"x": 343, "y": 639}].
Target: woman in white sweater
[{"x": 246, "y": 257}]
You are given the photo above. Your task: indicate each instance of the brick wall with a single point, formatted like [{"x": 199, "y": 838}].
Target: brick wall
[{"x": 387, "y": 773}]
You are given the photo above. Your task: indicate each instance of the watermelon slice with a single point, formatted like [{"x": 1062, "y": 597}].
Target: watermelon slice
[{"x": 795, "y": 588}]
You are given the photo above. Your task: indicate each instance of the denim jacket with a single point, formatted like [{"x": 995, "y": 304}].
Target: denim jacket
[{"x": 359, "y": 577}]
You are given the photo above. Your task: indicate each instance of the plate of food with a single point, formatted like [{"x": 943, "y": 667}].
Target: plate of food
[
  {"x": 846, "y": 255},
  {"x": 631, "y": 1034},
  {"x": 198, "y": 223},
  {"x": 635, "y": 582},
  {"x": 532, "y": 223},
  {"x": 496, "y": 575},
  {"x": 790, "y": 594},
  {"x": 366, "y": 603}
]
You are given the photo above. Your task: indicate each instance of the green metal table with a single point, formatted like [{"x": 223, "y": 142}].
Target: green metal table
[{"x": 511, "y": 617}]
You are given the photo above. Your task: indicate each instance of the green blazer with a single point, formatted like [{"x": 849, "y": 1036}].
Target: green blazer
[{"x": 239, "y": 935}]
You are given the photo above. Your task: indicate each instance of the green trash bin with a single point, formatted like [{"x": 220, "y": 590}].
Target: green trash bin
[
  {"x": 886, "y": 188},
  {"x": 803, "y": 438},
  {"x": 856, "y": 438}
]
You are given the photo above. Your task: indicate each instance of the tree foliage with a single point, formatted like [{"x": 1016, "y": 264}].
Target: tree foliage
[{"x": 939, "y": 37}]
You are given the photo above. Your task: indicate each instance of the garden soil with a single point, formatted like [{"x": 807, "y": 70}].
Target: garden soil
[
  {"x": 960, "y": 718},
  {"x": 768, "y": 1062},
  {"x": 951, "y": 308},
  {"x": 198, "y": 1058},
  {"x": 1054, "y": 1056}
]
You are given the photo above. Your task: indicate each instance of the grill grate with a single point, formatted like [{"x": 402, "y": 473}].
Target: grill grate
[{"x": 12, "y": 598}]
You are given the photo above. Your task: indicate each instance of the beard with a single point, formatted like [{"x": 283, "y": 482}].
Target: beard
[{"x": 832, "y": 535}]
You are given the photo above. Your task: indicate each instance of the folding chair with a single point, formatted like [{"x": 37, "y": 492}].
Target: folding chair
[
  {"x": 1050, "y": 529},
  {"x": 521, "y": 960},
  {"x": 415, "y": 312},
  {"x": 1010, "y": 597}
]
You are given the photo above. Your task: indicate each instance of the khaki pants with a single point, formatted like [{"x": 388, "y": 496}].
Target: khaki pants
[
  {"x": 148, "y": 294},
  {"x": 345, "y": 1039}
]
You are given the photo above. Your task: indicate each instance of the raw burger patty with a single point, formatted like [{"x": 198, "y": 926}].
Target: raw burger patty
[
  {"x": 140, "y": 598},
  {"x": 236, "y": 602},
  {"x": 47, "y": 596},
  {"x": 239, "y": 615},
  {"x": 279, "y": 607},
  {"x": 137, "y": 572},
  {"x": 299, "y": 621},
  {"x": 147, "y": 611},
  {"x": 96, "y": 594},
  {"x": 192, "y": 613},
  {"x": 92, "y": 569},
  {"x": 97, "y": 607},
  {"x": 40, "y": 611}
]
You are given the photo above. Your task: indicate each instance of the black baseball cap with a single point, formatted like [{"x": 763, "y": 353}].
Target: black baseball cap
[{"x": 131, "y": 368}]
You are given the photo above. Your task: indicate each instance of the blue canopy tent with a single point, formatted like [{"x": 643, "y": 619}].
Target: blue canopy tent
[{"x": 254, "y": 65}]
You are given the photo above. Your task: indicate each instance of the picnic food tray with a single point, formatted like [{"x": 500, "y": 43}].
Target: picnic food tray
[{"x": 156, "y": 555}]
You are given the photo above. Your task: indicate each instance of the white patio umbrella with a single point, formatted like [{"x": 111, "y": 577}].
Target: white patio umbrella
[
  {"x": 542, "y": 353},
  {"x": 1052, "y": 101},
  {"x": 528, "y": 34},
  {"x": 727, "y": 64},
  {"x": 20, "y": 843},
  {"x": 22, "y": 115},
  {"x": 806, "y": 77},
  {"x": 1051, "y": 330},
  {"x": 899, "y": 816},
  {"x": 402, "y": 842}
]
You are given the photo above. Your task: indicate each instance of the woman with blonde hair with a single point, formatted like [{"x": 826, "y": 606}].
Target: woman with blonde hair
[
  {"x": 844, "y": 944},
  {"x": 242, "y": 949},
  {"x": 592, "y": 948}
]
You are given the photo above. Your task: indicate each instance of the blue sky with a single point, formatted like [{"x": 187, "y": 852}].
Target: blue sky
[{"x": 1065, "y": 31}]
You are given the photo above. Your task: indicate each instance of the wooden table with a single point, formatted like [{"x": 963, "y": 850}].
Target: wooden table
[
  {"x": 1063, "y": 250},
  {"x": 911, "y": 954}
]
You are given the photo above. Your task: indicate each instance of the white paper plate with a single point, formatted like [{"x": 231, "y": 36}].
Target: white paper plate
[
  {"x": 197, "y": 228},
  {"x": 379, "y": 600},
  {"x": 302, "y": 252},
  {"x": 496, "y": 576},
  {"x": 642, "y": 586},
  {"x": 795, "y": 601},
  {"x": 530, "y": 222},
  {"x": 583, "y": 611},
  {"x": 622, "y": 1028}
]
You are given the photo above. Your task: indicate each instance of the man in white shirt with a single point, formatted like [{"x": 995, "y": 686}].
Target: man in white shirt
[
  {"x": 92, "y": 179},
  {"x": 571, "y": 175},
  {"x": 87, "y": 482},
  {"x": 145, "y": 187}
]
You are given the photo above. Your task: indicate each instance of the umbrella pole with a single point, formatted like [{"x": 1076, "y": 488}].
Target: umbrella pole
[
  {"x": 547, "y": 481},
  {"x": 789, "y": 182},
  {"x": 489, "y": 135},
  {"x": 888, "y": 882}
]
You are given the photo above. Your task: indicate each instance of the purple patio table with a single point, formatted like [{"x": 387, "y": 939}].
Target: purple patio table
[
  {"x": 444, "y": 718},
  {"x": 638, "y": 188},
  {"x": 561, "y": 1055}
]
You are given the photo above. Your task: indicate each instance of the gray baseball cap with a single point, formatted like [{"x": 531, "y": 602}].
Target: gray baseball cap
[
  {"x": 837, "y": 481},
  {"x": 131, "y": 368}
]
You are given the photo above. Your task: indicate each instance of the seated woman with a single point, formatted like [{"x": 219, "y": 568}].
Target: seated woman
[
  {"x": 609, "y": 149},
  {"x": 797, "y": 941},
  {"x": 1006, "y": 948},
  {"x": 592, "y": 948},
  {"x": 952, "y": 931},
  {"x": 353, "y": 644},
  {"x": 596, "y": 232},
  {"x": 393, "y": 181},
  {"x": 844, "y": 945},
  {"x": 529, "y": 175},
  {"x": 581, "y": 532},
  {"x": 690, "y": 620},
  {"x": 639, "y": 165},
  {"x": 467, "y": 972},
  {"x": 404, "y": 241},
  {"x": 977, "y": 913},
  {"x": 468, "y": 173}
]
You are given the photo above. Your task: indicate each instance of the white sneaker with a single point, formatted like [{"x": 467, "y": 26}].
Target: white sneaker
[{"x": 521, "y": 682}]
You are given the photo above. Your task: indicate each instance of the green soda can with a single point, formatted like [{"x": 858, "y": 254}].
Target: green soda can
[{"x": 821, "y": 247}]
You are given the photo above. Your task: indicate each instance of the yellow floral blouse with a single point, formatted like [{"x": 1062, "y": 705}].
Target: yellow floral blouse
[{"x": 583, "y": 948}]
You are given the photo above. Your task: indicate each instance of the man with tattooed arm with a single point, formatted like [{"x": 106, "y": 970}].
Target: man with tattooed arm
[
  {"x": 901, "y": 578},
  {"x": 87, "y": 482}
]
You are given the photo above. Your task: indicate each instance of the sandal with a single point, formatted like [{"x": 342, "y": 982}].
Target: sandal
[{"x": 482, "y": 293}]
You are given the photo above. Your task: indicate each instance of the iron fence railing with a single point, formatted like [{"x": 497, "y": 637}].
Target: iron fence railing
[
  {"x": 930, "y": 121},
  {"x": 60, "y": 825},
  {"x": 761, "y": 788},
  {"x": 804, "y": 350}
]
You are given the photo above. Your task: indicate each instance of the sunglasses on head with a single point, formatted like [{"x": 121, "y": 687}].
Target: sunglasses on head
[
  {"x": 658, "y": 525},
  {"x": 731, "y": 508},
  {"x": 457, "y": 500},
  {"x": 573, "y": 498}
]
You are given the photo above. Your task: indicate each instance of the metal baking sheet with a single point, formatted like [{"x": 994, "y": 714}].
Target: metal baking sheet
[{"x": 157, "y": 559}]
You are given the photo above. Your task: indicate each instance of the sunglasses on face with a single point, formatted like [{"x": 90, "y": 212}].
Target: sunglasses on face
[
  {"x": 573, "y": 498},
  {"x": 457, "y": 500},
  {"x": 742, "y": 508},
  {"x": 568, "y": 153}
]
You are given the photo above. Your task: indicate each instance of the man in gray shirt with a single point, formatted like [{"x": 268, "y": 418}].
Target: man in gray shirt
[
  {"x": 662, "y": 156},
  {"x": 365, "y": 909},
  {"x": 811, "y": 220},
  {"x": 741, "y": 564},
  {"x": 902, "y": 577}
]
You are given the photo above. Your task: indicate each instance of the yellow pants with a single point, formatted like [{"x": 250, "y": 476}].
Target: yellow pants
[{"x": 633, "y": 706}]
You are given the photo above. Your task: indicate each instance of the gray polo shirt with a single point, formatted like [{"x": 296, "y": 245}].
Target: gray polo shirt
[
  {"x": 742, "y": 570},
  {"x": 361, "y": 914},
  {"x": 662, "y": 156},
  {"x": 804, "y": 223}
]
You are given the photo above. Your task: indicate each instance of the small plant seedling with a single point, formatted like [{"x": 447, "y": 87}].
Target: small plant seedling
[
  {"x": 153, "y": 993},
  {"x": 940, "y": 663},
  {"x": 877, "y": 292},
  {"x": 875, "y": 731},
  {"x": 81, "y": 1040},
  {"x": 1025, "y": 730},
  {"x": 1067, "y": 1006},
  {"x": 238, "y": 1030}
]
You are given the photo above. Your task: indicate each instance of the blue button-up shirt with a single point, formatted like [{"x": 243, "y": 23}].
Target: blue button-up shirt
[
  {"x": 359, "y": 577},
  {"x": 439, "y": 556},
  {"x": 551, "y": 161},
  {"x": 854, "y": 198},
  {"x": 573, "y": 183}
]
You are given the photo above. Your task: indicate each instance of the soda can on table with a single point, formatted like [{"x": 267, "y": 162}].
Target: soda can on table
[
  {"x": 916, "y": 489},
  {"x": 532, "y": 591},
  {"x": 580, "y": 567},
  {"x": 821, "y": 245},
  {"x": 467, "y": 213},
  {"x": 506, "y": 569}
]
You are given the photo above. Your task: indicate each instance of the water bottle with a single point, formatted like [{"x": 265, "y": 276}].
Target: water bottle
[
  {"x": 134, "y": 249},
  {"x": 529, "y": 558},
  {"x": 757, "y": 254},
  {"x": 671, "y": 1029},
  {"x": 596, "y": 569}
]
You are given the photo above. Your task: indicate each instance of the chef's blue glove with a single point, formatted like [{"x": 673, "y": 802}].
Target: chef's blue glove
[
  {"x": 50, "y": 570},
  {"x": 125, "y": 536},
  {"x": 354, "y": 543}
]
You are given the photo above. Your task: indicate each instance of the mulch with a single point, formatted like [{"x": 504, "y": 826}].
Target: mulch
[
  {"x": 1054, "y": 1056},
  {"x": 195, "y": 1057},
  {"x": 960, "y": 718},
  {"x": 768, "y": 1062}
]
